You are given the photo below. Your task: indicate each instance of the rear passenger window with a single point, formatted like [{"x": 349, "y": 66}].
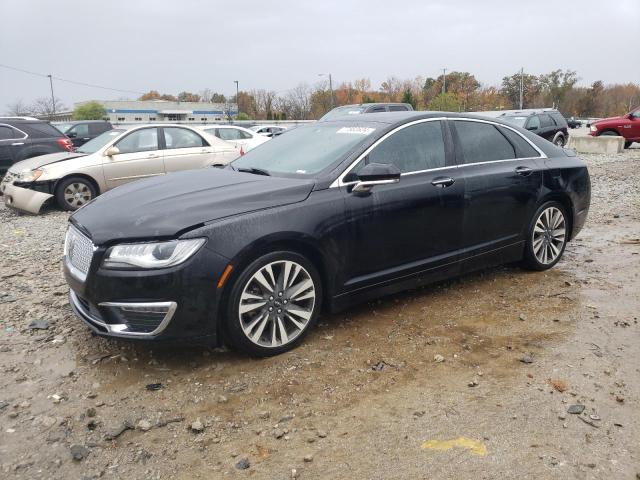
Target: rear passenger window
[
  {"x": 397, "y": 108},
  {"x": 482, "y": 142},
  {"x": 6, "y": 133},
  {"x": 414, "y": 148},
  {"x": 182, "y": 138},
  {"x": 546, "y": 121},
  {"x": 523, "y": 148},
  {"x": 42, "y": 130},
  {"x": 81, "y": 130}
]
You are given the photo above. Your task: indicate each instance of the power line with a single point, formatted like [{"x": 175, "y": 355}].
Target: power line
[{"x": 69, "y": 81}]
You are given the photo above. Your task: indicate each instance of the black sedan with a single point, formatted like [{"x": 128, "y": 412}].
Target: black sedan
[{"x": 327, "y": 215}]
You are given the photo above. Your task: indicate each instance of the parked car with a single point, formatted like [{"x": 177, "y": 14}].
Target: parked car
[
  {"x": 242, "y": 137},
  {"x": 548, "y": 123},
  {"x": 366, "y": 108},
  {"x": 80, "y": 132},
  {"x": 114, "y": 158},
  {"x": 627, "y": 126},
  {"x": 330, "y": 214},
  {"x": 25, "y": 137},
  {"x": 573, "y": 122},
  {"x": 268, "y": 130}
]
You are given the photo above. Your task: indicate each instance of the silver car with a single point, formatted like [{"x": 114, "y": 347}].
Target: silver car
[{"x": 111, "y": 159}]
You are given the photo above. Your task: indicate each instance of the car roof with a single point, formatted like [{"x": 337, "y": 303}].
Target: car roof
[
  {"x": 75, "y": 122},
  {"x": 398, "y": 117}
]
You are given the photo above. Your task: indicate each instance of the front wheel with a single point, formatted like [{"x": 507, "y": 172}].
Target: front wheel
[
  {"x": 627, "y": 144},
  {"x": 547, "y": 237},
  {"x": 559, "y": 141},
  {"x": 73, "y": 192},
  {"x": 273, "y": 304}
]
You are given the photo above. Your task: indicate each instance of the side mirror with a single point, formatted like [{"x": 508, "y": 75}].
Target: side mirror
[
  {"x": 71, "y": 134},
  {"x": 376, "y": 174},
  {"x": 111, "y": 151}
]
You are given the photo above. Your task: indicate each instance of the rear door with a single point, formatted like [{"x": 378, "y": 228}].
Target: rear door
[
  {"x": 503, "y": 177},
  {"x": 7, "y": 139},
  {"x": 548, "y": 127},
  {"x": 140, "y": 157},
  {"x": 185, "y": 149}
]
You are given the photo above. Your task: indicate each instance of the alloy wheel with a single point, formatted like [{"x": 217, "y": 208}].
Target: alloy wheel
[
  {"x": 277, "y": 304},
  {"x": 549, "y": 234},
  {"x": 77, "y": 194}
]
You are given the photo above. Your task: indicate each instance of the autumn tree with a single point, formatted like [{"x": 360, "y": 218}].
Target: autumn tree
[
  {"x": 188, "y": 97},
  {"x": 511, "y": 90}
]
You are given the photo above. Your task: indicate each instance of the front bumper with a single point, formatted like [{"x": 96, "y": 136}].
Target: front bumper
[
  {"x": 23, "y": 199},
  {"x": 173, "y": 304}
]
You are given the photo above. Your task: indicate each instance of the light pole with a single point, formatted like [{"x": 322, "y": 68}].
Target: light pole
[
  {"x": 237, "y": 99},
  {"x": 330, "y": 85},
  {"x": 53, "y": 99},
  {"x": 444, "y": 80},
  {"x": 521, "y": 86}
]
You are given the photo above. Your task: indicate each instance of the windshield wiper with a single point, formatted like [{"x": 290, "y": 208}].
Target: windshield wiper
[{"x": 257, "y": 171}]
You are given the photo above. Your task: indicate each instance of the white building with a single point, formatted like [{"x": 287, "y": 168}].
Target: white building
[{"x": 148, "y": 111}]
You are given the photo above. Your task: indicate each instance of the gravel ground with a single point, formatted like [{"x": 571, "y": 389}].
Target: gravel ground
[{"x": 471, "y": 378}]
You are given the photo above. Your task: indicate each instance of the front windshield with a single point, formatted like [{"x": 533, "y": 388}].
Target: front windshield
[
  {"x": 100, "y": 141},
  {"x": 346, "y": 110},
  {"x": 63, "y": 127},
  {"x": 519, "y": 121},
  {"x": 305, "y": 150}
]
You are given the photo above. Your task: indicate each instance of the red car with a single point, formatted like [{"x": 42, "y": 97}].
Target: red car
[{"x": 627, "y": 126}]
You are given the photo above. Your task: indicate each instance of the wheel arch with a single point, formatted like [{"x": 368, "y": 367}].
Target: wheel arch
[
  {"x": 610, "y": 130},
  {"x": 93, "y": 181},
  {"x": 291, "y": 242},
  {"x": 565, "y": 200}
]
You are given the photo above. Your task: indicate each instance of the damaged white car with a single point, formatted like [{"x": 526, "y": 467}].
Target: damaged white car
[{"x": 116, "y": 157}]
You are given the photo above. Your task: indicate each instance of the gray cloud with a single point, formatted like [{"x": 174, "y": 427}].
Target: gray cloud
[{"x": 195, "y": 44}]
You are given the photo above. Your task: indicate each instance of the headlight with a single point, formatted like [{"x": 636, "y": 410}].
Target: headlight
[
  {"x": 151, "y": 255},
  {"x": 593, "y": 128},
  {"x": 29, "y": 175}
]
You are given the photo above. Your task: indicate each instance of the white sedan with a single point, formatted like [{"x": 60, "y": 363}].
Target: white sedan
[{"x": 242, "y": 137}]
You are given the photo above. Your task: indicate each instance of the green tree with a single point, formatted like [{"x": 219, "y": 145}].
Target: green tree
[
  {"x": 445, "y": 102},
  {"x": 556, "y": 85},
  {"x": 89, "y": 111},
  {"x": 407, "y": 97},
  {"x": 242, "y": 116},
  {"x": 531, "y": 90}
]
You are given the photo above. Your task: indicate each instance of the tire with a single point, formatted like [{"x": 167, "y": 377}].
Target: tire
[
  {"x": 628, "y": 144},
  {"x": 559, "y": 141},
  {"x": 545, "y": 245},
  {"x": 73, "y": 192},
  {"x": 260, "y": 331}
]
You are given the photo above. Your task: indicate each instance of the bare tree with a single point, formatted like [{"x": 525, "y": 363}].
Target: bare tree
[
  {"x": 18, "y": 108},
  {"x": 45, "y": 106},
  {"x": 264, "y": 102},
  {"x": 299, "y": 100}
]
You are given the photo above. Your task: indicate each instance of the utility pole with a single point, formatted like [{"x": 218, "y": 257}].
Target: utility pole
[
  {"x": 237, "y": 99},
  {"x": 53, "y": 99},
  {"x": 330, "y": 85},
  {"x": 521, "y": 86},
  {"x": 444, "y": 80}
]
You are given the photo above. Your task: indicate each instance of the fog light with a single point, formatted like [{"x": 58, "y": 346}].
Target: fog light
[{"x": 148, "y": 318}]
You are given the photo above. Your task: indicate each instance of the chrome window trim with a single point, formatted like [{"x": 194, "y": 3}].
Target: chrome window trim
[
  {"x": 13, "y": 128},
  {"x": 338, "y": 182}
]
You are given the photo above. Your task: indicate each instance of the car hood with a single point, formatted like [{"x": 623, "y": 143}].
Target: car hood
[
  {"x": 609, "y": 120},
  {"x": 164, "y": 207},
  {"x": 42, "y": 160}
]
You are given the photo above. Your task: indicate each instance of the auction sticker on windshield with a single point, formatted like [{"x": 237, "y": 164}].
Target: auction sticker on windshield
[{"x": 356, "y": 130}]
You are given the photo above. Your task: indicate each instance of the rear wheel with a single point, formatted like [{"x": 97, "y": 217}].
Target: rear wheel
[
  {"x": 559, "y": 141},
  {"x": 547, "y": 237},
  {"x": 273, "y": 304},
  {"x": 73, "y": 192}
]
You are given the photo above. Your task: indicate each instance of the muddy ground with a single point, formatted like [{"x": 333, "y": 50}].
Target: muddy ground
[{"x": 363, "y": 394}]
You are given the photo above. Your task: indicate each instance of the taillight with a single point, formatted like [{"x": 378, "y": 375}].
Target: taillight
[{"x": 66, "y": 144}]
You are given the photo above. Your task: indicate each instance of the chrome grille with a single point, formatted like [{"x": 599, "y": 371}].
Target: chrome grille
[{"x": 78, "y": 250}]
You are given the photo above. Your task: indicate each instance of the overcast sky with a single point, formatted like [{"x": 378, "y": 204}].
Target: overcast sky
[{"x": 190, "y": 45}]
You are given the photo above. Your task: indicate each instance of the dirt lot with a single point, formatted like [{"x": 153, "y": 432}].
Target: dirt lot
[{"x": 490, "y": 362}]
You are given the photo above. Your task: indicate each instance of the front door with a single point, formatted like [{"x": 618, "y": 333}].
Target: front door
[
  {"x": 140, "y": 157},
  {"x": 503, "y": 176},
  {"x": 414, "y": 225},
  {"x": 7, "y": 135},
  {"x": 79, "y": 134},
  {"x": 184, "y": 149}
]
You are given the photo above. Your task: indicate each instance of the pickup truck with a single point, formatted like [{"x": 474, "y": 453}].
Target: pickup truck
[{"x": 627, "y": 126}]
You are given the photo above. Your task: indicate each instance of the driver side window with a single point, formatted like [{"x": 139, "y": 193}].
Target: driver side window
[
  {"x": 414, "y": 148},
  {"x": 143, "y": 140}
]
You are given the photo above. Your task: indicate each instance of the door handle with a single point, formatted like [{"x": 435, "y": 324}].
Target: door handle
[
  {"x": 204, "y": 150},
  {"x": 17, "y": 143},
  {"x": 524, "y": 171},
  {"x": 87, "y": 138},
  {"x": 153, "y": 155},
  {"x": 442, "y": 182}
]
